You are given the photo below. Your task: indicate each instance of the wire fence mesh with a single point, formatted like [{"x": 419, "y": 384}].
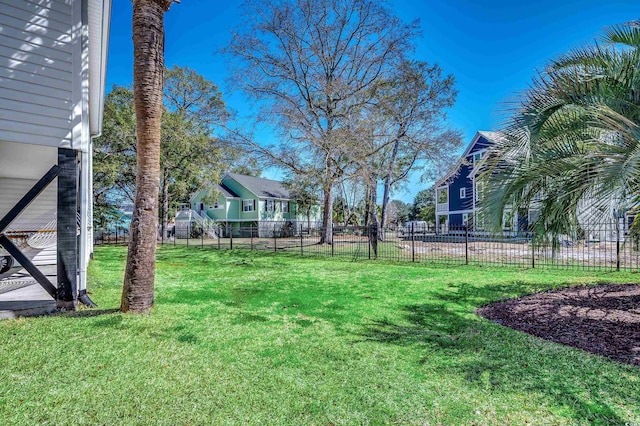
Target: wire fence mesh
[{"x": 596, "y": 246}]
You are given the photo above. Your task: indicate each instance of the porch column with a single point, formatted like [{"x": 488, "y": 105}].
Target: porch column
[{"x": 68, "y": 182}]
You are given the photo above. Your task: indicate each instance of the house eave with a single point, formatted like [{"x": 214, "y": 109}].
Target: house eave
[
  {"x": 454, "y": 170},
  {"x": 99, "y": 17}
]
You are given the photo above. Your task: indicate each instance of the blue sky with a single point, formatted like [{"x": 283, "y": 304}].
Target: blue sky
[{"x": 491, "y": 47}]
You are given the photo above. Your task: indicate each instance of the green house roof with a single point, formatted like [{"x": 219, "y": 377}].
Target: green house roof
[{"x": 263, "y": 188}]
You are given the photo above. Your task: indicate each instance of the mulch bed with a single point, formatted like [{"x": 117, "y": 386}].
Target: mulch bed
[{"x": 604, "y": 320}]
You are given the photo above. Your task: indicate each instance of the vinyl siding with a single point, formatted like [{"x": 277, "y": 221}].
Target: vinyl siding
[
  {"x": 461, "y": 181},
  {"x": 37, "y": 71},
  {"x": 244, "y": 194}
]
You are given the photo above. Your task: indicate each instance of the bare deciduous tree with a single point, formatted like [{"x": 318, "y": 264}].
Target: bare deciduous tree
[
  {"x": 312, "y": 65},
  {"x": 412, "y": 106}
]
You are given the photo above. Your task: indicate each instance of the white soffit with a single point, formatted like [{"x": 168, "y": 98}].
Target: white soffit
[
  {"x": 99, "y": 15},
  {"x": 26, "y": 161}
]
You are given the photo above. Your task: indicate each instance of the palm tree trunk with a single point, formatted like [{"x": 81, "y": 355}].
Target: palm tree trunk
[{"x": 148, "y": 68}]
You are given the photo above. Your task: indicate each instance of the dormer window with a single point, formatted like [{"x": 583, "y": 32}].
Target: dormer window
[
  {"x": 463, "y": 193},
  {"x": 271, "y": 205}
]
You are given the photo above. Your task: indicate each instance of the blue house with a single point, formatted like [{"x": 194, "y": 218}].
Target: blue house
[{"x": 459, "y": 195}]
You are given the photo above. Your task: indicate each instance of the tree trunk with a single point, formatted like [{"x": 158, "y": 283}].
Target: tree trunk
[
  {"x": 373, "y": 225},
  {"x": 165, "y": 205},
  {"x": 327, "y": 217},
  {"x": 148, "y": 68},
  {"x": 387, "y": 181},
  {"x": 385, "y": 200}
]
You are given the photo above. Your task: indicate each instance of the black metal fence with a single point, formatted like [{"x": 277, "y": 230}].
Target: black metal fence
[{"x": 594, "y": 246}]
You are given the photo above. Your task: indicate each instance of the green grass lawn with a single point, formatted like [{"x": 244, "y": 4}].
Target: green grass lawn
[{"x": 260, "y": 338}]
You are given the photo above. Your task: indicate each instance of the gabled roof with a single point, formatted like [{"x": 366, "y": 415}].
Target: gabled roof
[
  {"x": 262, "y": 188},
  {"x": 222, "y": 189},
  {"x": 490, "y": 136},
  {"x": 226, "y": 192}
]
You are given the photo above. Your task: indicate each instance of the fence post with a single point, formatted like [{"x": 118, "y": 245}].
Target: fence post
[
  {"x": 413, "y": 243},
  {"x": 218, "y": 233},
  {"x": 188, "y": 232},
  {"x": 369, "y": 241},
  {"x": 533, "y": 254},
  {"x": 251, "y": 232},
  {"x": 231, "y": 238},
  {"x": 466, "y": 244},
  {"x": 617, "y": 244},
  {"x": 202, "y": 237},
  {"x": 301, "y": 242},
  {"x": 275, "y": 242}
]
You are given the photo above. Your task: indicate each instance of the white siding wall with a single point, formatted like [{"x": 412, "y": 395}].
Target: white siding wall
[{"x": 38, "y": 48}]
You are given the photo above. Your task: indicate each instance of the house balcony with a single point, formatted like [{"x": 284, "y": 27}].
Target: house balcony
[{"x": 442, "y": 207}]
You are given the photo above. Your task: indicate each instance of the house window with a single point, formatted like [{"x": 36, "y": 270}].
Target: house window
[
  {"x": 507, "y": 221},
  {"x": 477, "y": 156},
  {"x": 465, "y": 218},
  {"x": 442, "y": 195},
  {"x": 248, "y": 205},
  {"x": 479, "y": 190},
  {"x": 285, "y": 207},
  {"x": 270, "y": 206},
  {"x": 463, "y": 192}
]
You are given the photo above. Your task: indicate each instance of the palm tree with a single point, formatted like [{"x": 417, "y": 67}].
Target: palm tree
[
  {"x": 148, "y": 68},
  {"x": 574, "y": 139}
]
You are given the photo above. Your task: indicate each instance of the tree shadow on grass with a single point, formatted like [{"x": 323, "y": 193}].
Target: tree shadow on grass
[
  {"x": 453, "y": 340},
  {"x": 87, "y": 313}
]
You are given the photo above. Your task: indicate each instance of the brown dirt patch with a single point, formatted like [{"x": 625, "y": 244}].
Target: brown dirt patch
[{"x": 603, "y": 320}]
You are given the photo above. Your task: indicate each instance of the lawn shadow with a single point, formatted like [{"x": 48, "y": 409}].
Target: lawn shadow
[
  {"x": 494, "y": 359},
  {"x": 87, "y": 313}
]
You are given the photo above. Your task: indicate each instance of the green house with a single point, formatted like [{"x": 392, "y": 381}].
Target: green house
[{"x": 248, "y": 204}]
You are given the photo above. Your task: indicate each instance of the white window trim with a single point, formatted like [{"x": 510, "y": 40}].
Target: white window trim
[
  {"x": 285, "y": 206},
  {"x": 270, "y": 206},
  {"x": 252, "y": 205},
  {"x": 477, "y": 153},
  {"x": 438, "y": 201},
  {"x": 463, "y": 193}
]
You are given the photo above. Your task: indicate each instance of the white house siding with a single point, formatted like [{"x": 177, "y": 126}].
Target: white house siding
[
  {"x": 41, "y": 44},
  {"x": 46, "y": 47}
]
